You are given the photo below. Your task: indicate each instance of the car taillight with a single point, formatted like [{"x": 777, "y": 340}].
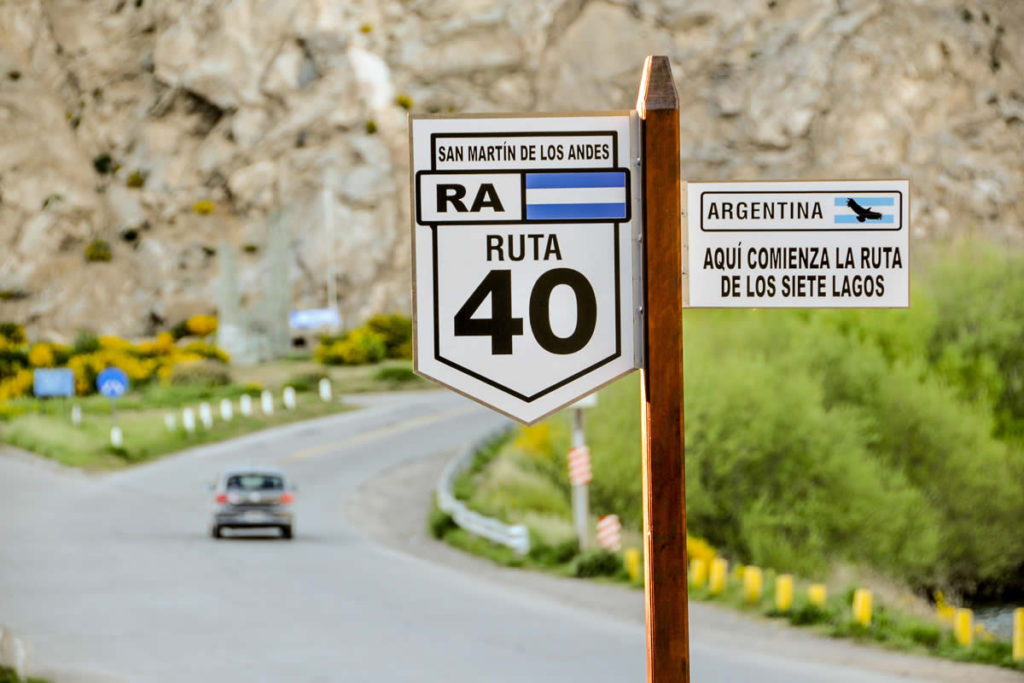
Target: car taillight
[
  {"x": 287, "y": 497},
  {"x": 221, "y": 498}
]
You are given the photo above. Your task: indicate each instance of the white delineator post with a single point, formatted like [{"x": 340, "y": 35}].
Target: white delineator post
[
  {"x": 188, "y": 420},
  {"x": 116, "y": 437},
  {"x": 579, "y": 477},
  {"x": 609, "y": 533},
  {"x": 76, "y": 415},
  {"x": 325, "y": 389},
  {"x": 169, "y": 421},
  {"x": 205, "y": 415},
  {"x": 267, "y": 402},
  {"x": 226, "y": 411},
  {"x": 245, "y": 405},
  {"x": 288, "y": 397}
]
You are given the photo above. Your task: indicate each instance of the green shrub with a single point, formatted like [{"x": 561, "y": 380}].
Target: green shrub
[
  {"x": 137, "y": 179},
  {"x": 85, "y": 342},
  {"x": 371, "y": 127},
  {"x": 396, "y": 331},
  {"x": 439, "y": 522},
  {"x": 404, "y": 101},
  {"x": 597, "y": 563},
  {"x": 12, "y": 332},
  {"x": 104, "y": 164},
  {"x": 922, "y": 633},
  {"x": 396, "y": 375},
  {"x": 358, "y": 347},
  {"x": 306, "y": 382},
  {"x": 200, "y": 374},
  {"x": 98, "y": 251},
  {"x": 552, "y": 554}
]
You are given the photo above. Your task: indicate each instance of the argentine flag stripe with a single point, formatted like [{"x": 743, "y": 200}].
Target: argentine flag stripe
[
  {"x": 592, "y": 179},
  {"x": 851, "y": 219},
  {"x": 542, "y": 212},
  {"x": 576, "y": 196},
  {"x": 868, "y": 201}
]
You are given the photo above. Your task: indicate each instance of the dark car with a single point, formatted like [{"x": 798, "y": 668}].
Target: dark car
[{"x": 251, "y": 498}]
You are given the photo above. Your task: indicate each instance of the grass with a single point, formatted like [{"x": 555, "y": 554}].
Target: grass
[
  {"x": 44, "y": 426},
  {"x": 8, "y": 675},
  {"x": 145, "y": 434}
]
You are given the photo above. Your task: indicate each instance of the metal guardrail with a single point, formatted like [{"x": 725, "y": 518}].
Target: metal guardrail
[{"x": 515, "y": 536}]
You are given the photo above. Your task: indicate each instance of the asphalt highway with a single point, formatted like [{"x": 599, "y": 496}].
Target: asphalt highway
[{"x": 115, "y": 577}]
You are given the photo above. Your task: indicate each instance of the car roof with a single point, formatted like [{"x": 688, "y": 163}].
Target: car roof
[{"x": 253, "y": 469}]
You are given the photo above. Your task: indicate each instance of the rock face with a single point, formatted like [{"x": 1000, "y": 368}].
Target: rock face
[{"x": 117, "y": 116}]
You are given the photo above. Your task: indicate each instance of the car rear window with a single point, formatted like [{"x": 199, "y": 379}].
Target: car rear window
[{"x": 255, "y": 482}]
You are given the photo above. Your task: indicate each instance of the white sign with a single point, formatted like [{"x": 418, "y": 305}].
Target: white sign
[
  {"x": 799, "y": 244},
  {"x": 526, "y": 251}
]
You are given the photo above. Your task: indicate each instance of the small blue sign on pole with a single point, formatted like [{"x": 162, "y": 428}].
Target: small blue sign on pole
[
  {"x": 112, "y": 382},
  {"x": 53, "y": 382}
]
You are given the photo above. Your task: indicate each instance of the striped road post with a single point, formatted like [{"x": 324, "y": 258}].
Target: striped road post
[{"x": 609, "y": 533}]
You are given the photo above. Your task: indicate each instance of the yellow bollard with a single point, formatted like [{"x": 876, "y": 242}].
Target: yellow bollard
[
  {"x": 862, "y": 607},
  {"x": 753, "y": 584},
  {"x": 783, "y": 592},
  {"x": 817, "y": 594},
  {"x": 963, "y": 627},
  {"x": 698, "y": 572},
  {"x": 633, "y": 564},
  {"x": 719, "y": 575},
  {"x": 1018, "y": 634}
]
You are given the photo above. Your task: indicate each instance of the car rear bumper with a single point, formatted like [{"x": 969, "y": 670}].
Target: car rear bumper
[{"x": 253, "y": 518}]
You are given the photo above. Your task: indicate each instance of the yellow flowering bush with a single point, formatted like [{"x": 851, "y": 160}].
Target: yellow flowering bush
[
  {"x": 41, "y": 356},
  {"x": 202, "y": 325},
  {"x": 16, "y": 386}
]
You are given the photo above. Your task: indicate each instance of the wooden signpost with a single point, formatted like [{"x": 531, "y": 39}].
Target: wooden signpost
[{"x": 665, "y": 586}]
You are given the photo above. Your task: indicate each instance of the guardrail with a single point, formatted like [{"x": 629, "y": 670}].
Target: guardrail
[{"x": 515, "y": 536}]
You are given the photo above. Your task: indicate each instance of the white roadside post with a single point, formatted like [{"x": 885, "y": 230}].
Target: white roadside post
[
  {"x": 76, "y": 415},
  {"x": 288, "y": 398},
  {"x": 245, "y": 405},
  {"x": 116, "y": 437},
  {"x": 325, "y": 389},
  {"x": 267, "y": 402},
  {"x": 169, "y": 421},
  {"x": 226, "y": 411},
  {"x": 188, "y": 420},
  {"x": 205, "y": 415}
]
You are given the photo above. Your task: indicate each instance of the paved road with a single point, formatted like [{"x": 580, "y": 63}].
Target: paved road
[{"x": 114, "y": 577}]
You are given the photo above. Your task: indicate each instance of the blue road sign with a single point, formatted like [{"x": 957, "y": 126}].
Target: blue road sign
[
  {"x": 112, "y": 382},
  {"x": 53, "y": 382}
]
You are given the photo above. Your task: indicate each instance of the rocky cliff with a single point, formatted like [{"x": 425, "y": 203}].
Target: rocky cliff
[{"x": 118, "y": 116}]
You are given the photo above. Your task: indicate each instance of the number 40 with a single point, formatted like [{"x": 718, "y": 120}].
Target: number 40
[{"x": 501, "y": 327}]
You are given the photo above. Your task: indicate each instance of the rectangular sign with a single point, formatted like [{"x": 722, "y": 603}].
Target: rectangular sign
[
  {"x": 526, "y": 256},
  {"x": 53, "y": 382},
  {"x": 798, "y": 244}
]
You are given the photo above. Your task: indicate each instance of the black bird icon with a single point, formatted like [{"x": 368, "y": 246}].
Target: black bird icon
[{"x": 862, "y": 213}]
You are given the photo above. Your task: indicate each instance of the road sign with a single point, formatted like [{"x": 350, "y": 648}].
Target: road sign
[
  {"x": 799, "y": 244},
  {"x": 53, "y": 382},
  {"x": 525, "y": 236},
  {"x": 314, "y": 319},
  {"x": 112, "y": 382}
]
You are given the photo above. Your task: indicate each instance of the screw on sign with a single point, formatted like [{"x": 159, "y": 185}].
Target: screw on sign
[
  {"x": 579, "y": 466},
  {"x": 609, "y": 532}
]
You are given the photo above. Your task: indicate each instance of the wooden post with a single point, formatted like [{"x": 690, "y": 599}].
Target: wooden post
[{"x": 668, "y": 650}]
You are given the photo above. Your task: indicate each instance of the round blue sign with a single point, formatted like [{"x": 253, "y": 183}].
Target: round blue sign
[{"x": 112, "y": 382}]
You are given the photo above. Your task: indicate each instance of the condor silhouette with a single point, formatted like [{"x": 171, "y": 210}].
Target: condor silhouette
[{"x": 862, "y": 213}]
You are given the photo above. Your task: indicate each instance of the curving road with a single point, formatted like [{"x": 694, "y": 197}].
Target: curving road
[{"x": 114, "y": 578}]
